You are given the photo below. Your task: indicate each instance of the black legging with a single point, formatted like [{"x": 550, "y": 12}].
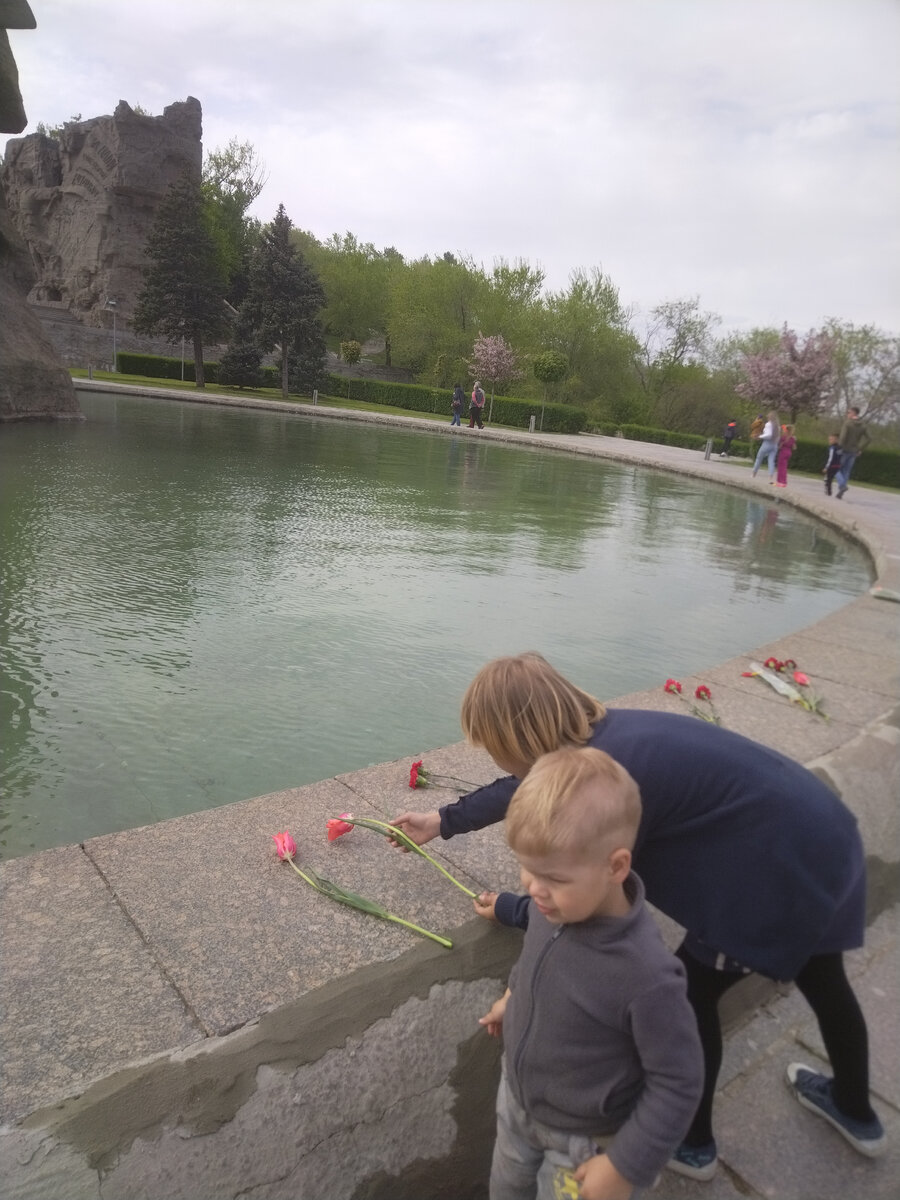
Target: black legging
[{"x": 827, "y": 990}]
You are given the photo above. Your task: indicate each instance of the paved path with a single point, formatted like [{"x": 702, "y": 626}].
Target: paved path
[{"x": 769, "y": 1146}]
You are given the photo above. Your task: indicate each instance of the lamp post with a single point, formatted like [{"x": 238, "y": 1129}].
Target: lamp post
[
  {"x": 182, "y": 351},
  {"x": 111, "y": 305}
]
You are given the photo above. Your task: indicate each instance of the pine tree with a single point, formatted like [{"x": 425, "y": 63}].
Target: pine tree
[
  {"x": 283, "y": 305},
  {"x": 185, "y": 280}
]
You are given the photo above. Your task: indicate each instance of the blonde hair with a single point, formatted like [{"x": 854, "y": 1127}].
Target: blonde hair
[
  {"x": 575, "y": 801},
  {"x": 520, "y": 707},
  {"x": 789, "y": 430}
]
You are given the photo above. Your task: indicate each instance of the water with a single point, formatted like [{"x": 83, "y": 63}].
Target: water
[{"x": 201, "y": 605}]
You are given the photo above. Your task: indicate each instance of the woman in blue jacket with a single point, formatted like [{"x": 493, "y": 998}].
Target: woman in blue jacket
[{"x": 759, "y": 861}]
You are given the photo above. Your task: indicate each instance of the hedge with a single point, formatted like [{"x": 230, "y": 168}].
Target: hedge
[
  {"x": 158, "y": 366},
  {"x": 558, "y": 418}
]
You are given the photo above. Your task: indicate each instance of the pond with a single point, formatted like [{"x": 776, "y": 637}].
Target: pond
[{"x": 203, "y": 604}]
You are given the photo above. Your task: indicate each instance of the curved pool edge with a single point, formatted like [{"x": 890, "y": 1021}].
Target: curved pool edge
[{"x": 161, "y": 982}]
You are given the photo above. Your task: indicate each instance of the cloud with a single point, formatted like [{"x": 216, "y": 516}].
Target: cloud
[{"x": 745, "y": 153}]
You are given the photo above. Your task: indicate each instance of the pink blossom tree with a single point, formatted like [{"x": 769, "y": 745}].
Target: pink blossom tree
[
  {"x": 494, "y": 361},
  {"x": 791, "y": 375}
]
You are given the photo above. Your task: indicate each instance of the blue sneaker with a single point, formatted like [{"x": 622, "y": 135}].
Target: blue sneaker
[
  {"x": 814, "y": 1092},
  {"x": 696, "y": 1162}
]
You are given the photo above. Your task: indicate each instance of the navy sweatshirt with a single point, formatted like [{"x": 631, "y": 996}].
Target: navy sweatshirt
[{"x": 745, "y": 848}]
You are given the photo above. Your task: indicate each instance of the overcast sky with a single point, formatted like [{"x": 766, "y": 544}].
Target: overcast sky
[{"x": 742, "y": 151}]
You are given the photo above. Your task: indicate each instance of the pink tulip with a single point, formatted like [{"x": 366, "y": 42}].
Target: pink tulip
[
  {"x": 800, "y": 678},
  {"x": 284, "y": 844},
  {"x": 337, "y": 827}
]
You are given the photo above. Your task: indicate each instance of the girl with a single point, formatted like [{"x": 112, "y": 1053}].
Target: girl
[
  {"x": 785, "y": 450},
  {"x": 768, "y": 445},
  {"x": 760, "y": 862}
]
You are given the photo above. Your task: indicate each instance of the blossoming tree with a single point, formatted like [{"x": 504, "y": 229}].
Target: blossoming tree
[
  {"x": 494, "y": 360},
  {"x": 792, "y": 375}
]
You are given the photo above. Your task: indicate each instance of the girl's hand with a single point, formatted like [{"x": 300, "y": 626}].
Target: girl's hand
[
  {"x": 418, "y": 827},
  {"x": 484, "y": 905}
]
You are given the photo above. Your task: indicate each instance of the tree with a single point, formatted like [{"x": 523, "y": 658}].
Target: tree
[
  {"x": 678, "y": 335},
  {"x": 184, "y": 283},
  {"x": 351, "y": 352},
  {"x": 866, "y": 370},
  {"x": 283, "y": 304},
  {"x": 233, "y": 177},
  {"x": 494, "y": 361},
  {"x": 793, "y": 376},
  {"x": 241, "y": 362},
  {"x": 550, "y": 367}
]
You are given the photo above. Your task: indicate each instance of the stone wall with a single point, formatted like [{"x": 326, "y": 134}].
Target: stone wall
[
  {"x": 33, "y": 382},
  {"x": 84, "y": 204}
]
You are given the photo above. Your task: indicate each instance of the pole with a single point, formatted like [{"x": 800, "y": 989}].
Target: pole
[
  {"x": 114, "y": 339},
  {"x": 182, "y": 354}
]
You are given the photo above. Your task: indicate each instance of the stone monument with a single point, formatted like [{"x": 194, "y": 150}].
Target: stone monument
[
  {"x": 33, "y": 382},
  {"x": 84, "y": 203}
]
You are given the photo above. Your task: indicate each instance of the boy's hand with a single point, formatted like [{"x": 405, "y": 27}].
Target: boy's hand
[
  {"x": 484, "y": 905},
  {"x": 600, "y": 1180},
  {"x": 493, "y": 1021},
  {"x": 419, "y": 827}
]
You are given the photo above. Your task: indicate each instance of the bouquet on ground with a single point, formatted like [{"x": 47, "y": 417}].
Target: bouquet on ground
[
  {"x": 702, "y": 694},
  {"x": 773, "y": 672},
  {"x": 287, "y": 850},
  {"x": 421, "y": 777}
]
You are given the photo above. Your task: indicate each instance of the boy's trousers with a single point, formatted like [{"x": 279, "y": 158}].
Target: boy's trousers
[{"x": 534, "y": 1162}]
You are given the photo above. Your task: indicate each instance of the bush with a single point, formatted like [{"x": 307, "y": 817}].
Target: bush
[
  {"x": 157, "y": 366},
  {"x": 558, "y": 418}
]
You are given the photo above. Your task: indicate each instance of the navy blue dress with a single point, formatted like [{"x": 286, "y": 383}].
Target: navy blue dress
[{"x": 745, "y": 848}]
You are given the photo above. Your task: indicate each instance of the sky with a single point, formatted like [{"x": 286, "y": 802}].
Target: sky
[{"x": 743, "y": 152}]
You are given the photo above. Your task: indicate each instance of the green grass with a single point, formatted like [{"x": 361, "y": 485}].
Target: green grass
[{"x": 214, "y": 389}]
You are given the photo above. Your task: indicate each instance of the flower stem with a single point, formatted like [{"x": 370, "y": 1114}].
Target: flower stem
[
  {"x": 435, "y": 937},
  {"x": 399, "y": 836}
]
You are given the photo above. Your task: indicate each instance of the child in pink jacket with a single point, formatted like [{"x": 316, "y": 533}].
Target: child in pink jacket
[{"x": 785, "y": 450}]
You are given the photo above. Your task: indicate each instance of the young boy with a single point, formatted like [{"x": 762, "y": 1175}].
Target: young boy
[
  {"x": 602, "y": 1060},
  {"x": 832, "y": 462}
]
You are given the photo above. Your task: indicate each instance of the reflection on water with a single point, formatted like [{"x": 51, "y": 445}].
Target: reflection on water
[{"x": 201, "y": 605}]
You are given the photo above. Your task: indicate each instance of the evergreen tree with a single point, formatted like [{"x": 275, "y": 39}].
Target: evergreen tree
[
  {"x": 184, "y": 282},
  {"x": 284, "y": 303},
  {"x": 241, "y": 362}
]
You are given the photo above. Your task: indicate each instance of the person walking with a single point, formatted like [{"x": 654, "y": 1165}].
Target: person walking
[
  {"x": 730, "y": 435},
  {"x": 456, "y": 404},
  {"x": 832, "y": 462},
  {"x": 476, "y": 407},
  {"x": 853, "y": 440},
  {"x": 785, "y": 449},
  {"x": 770, "y": 437}
]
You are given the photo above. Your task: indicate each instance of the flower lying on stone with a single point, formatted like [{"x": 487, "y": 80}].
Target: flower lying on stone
[
  {"x": 808, "y": 700},
  {"x": 419, "y": 777},
  {"x": 287, "y": 850},
  {"x": 338, "y": 826},
  {"x": 702, "y": 693},
  {"x": 398, "y": 836}
]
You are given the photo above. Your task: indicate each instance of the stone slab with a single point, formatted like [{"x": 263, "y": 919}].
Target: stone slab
[
  {"x": 781, "y": 1151},
  {"x": 200, "y": 886},
  {"x": 80, "y": 991},
  {"x": 483, "y": 854}
]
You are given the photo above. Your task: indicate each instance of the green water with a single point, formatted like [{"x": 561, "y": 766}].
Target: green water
[{"x": 201, "y": 605}]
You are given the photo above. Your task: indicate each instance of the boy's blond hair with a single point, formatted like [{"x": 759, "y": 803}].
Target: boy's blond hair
[
  {"x": 576, "y": 801},
  {"x": 520, "y": 707}
]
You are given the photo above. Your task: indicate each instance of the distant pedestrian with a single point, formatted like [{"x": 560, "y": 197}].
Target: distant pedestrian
[
  {"x": 456, "y": 404},
  {"x": 476, "y": 407},
  {"x": 832, "y": 462},
  {"x": 730, "y": 435},
  {"x": 853, "y": 440},
  {"x": 785, "y": 450},
  {"x": 770, "y": 437}
]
